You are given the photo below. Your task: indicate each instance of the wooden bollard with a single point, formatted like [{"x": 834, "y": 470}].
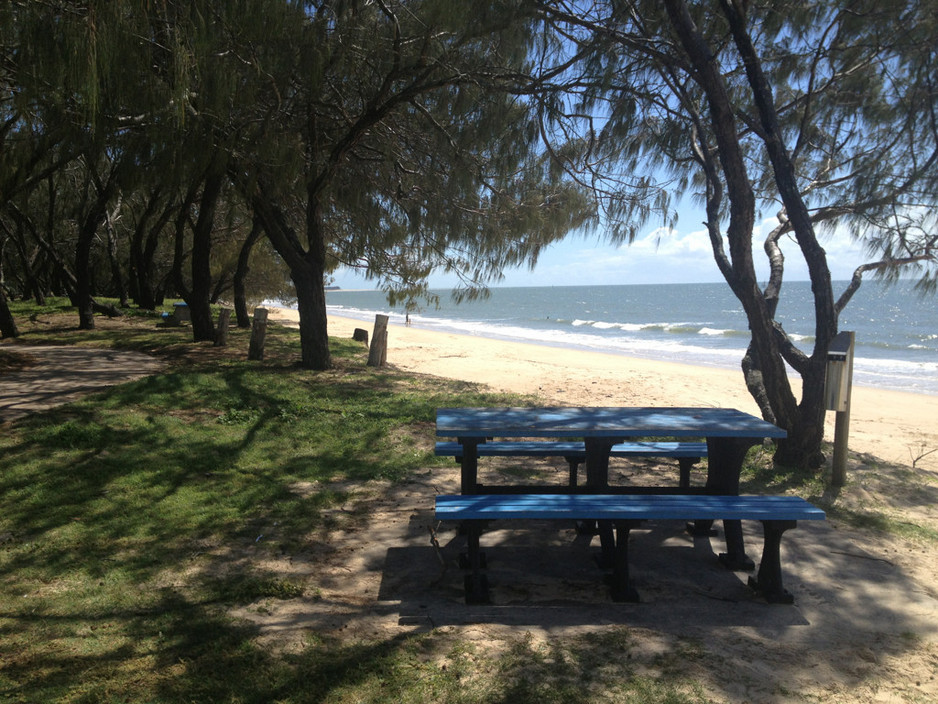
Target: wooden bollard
[
  {"x": 378, "y": 354},
  {"x": 258, "y": 333},
  {"x": 221, "y": 332},
  {"x": 360, "y": 335}
]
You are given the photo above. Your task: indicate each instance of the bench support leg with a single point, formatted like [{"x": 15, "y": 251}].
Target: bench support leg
[
  {"x": 769, "y": 579},
  {"x": 469, "y": 465},
  {"x": 621, "y": 587},
  {"x": 685, "y": 464},
  {"x": 476, "y": 583},
  {"x": 735, "y": 557},
  {"x": 597, "y": 476},
  {"x": 725, "y": 460}
]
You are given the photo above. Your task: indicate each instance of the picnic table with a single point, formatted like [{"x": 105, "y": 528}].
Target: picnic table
[{"x": 728, "y": 434}]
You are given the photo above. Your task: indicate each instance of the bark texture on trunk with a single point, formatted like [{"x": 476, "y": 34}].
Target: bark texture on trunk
[{"x": 7, "y": 323}]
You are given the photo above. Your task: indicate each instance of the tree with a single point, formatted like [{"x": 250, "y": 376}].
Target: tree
[
  {"x": 241, "y": 273},
  {"x": 414, "y": 154},
  {"x": 823, "y": 112},
  {"x": 7, "y": 323},
  {"x": 128, "y": 146}
]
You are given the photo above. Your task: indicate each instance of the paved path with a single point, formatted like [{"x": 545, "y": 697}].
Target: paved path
[{"x": 64, "y": 374}]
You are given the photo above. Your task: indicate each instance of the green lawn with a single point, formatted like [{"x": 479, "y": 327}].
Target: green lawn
[{"x": 107, "y": 503}]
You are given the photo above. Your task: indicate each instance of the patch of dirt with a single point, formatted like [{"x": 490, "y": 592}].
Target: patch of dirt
[
  {"x": 12, "y": 361},
  {"x": 59, "y": 374}
]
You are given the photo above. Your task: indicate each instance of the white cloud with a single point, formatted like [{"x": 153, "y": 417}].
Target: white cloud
[{"x": 663, "y": 255}]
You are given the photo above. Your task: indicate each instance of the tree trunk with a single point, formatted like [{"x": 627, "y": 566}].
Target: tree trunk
[
  {"x": 203, "y": 327},
  {"x": 311, "y": 303},
  {"x": 241, "y": 273},
  {"x": 84, "y": 276},
  {"x": 802, "y": 447},
  {"x": 179, "y": 244},
  {"x": 315, "y": 339},
  {"x": 756, "y": 384},
  {"x": 147, "y": 292},
  {"x": 7, "y": 323},
  {"x": 117, "y": 276},
  {"x": 31, "y": 283},
  {"x": 307, "y": 270},
  {"x": 764, "y": 365}
]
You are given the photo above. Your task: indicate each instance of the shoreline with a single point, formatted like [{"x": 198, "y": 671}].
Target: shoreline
[
  {"x": 867, "y": 370},
  {"x": 894, "y": 426}
]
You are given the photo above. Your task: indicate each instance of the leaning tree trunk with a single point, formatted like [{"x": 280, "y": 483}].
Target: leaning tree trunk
[
  {"x": 752, "y": 372},
  {"x": 241, "y": 273},
  {"x": 314, "y": 336},
  {"x": 148, "y": 292},
  {"x": 767, "y": 370},
  {"x": 806, "y": 426},
  {"x": 307, "y": 270}
]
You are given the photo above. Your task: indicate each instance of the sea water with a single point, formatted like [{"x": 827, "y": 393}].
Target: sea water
[{"x": 896, "y": 327}]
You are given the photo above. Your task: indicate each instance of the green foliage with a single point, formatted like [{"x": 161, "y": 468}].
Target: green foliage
[{"x": 817, "y": 113}]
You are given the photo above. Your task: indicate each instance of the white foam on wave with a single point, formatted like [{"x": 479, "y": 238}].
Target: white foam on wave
[{"x": 880, "y": 373}]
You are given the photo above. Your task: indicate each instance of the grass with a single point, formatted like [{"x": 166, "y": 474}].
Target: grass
[
  {"x": 125, "y": 519},
  {"x": 891, "y": 494}
]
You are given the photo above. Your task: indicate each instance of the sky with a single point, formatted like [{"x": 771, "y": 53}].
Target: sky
[{"x": 657, "y": 256}]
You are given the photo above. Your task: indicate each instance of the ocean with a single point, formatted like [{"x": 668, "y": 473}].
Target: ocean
[{"x": 896, "y": 328}]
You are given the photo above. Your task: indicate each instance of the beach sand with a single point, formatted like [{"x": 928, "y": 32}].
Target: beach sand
[{"x": 895, "y": 427}]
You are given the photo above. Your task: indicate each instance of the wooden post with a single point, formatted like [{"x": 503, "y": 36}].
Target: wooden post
[
  {"x": 221, "y": 332},
  {"x": 360, "y": 335},
  {"x": 258, "y": 333},
  {"x": 378, "y": 354},
  {"x": 842, "y": 422}
]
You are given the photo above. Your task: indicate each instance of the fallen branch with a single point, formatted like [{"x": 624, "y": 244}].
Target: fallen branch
[{"x": 921, "y": 454}]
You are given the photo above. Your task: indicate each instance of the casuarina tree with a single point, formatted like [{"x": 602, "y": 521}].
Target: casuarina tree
[{"x": 822, "y": 114}]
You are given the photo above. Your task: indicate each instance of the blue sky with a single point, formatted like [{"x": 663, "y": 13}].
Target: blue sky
[{"x": 658, "y": 256}]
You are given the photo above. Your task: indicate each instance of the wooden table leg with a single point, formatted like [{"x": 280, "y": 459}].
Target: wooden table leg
[
  {"x": 597, "y": 476},
  {"x": 476, "y": 583},
  {"x": 725, "y": 458},
  {"x": 769, "y": 579},
  {"x": 621, "y": 587},
  {"x": 469, "y": 465}
]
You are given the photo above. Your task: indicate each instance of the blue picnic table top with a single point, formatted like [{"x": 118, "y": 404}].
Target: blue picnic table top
[{"x": 600, "y": 422}]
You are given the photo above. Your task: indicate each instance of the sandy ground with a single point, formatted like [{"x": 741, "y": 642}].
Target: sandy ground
[{"x": 864, "y": 627}]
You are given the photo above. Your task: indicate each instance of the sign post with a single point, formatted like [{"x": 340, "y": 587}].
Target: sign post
[{"x": 837, "y": 387}]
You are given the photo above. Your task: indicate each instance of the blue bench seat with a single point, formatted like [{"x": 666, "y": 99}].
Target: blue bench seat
[
  {"x": 624, "y": 512},
  {"x": 687, "y": 453}
]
